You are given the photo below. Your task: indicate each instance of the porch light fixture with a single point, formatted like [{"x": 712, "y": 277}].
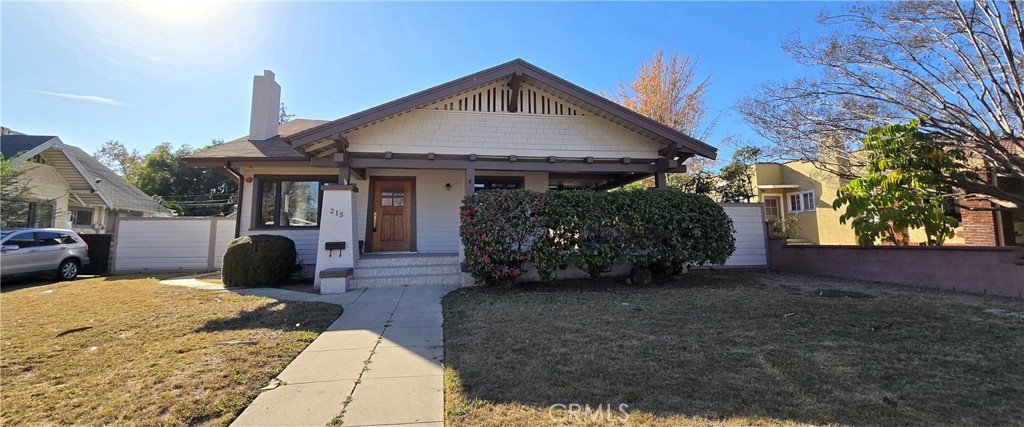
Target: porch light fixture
[{"x": 448, "y": 186}]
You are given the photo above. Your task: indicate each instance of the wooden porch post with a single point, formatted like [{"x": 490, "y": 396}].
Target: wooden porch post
[
  {"x": 470, "y": 181},
  {"x": 660, "y": 181}
]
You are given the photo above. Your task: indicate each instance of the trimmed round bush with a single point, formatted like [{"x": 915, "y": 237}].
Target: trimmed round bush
[{"x": 258, "y": 260}]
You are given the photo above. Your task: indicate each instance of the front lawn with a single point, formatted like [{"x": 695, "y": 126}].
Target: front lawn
[
  {"x": 133, "y": 352},
  {"x": 732, "y": 349}
]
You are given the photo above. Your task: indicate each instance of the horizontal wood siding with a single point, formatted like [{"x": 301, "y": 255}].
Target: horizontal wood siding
[
  {"x": 751, "y": 250},
  {"x": 457, "y": 132}
]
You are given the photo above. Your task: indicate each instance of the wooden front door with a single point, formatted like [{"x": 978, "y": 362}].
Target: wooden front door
[{"x": 392, "y": 215}]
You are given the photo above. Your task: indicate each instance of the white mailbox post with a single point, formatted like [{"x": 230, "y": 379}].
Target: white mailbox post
[{"x": 338, "y": 246}]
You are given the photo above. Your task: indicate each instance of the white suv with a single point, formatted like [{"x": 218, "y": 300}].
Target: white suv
[{"x": 40, "y": 251}]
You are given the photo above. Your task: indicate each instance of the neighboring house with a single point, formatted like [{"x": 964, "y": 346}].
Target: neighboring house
[
  {"x": 412, "y": 160},
  {"x": 800, "y": 189},
  {"x": 71, "y": 189}
]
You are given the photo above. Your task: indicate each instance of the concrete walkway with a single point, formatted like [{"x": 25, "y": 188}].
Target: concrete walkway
[{"x": 379, "y": 364}]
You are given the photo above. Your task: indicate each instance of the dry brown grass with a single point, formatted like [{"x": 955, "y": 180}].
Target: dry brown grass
[
  {"x": 151, "y": 356},
  {"x": 733, "y": 349}
]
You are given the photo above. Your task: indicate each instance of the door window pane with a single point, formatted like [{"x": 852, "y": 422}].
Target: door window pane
[
  {"x": 392, "y": 197},
  {"x": 771, "y": 207}
]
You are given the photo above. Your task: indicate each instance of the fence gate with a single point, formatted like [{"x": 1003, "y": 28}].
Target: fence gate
[
  {"x": 170, "y": 244},
  {"x": 751, "y": 235}
]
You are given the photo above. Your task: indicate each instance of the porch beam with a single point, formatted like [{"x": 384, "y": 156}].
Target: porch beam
[
  {"x": 322, "y": 161},
  {"x": 666, "y": 164},
  {"x": 359, "y": 173},
  {"x": 521, "y": 165},
  {"x": 671, "y": 151},
  {"x": 616, "y": 183},
  {"x": 513, "y": 99},
  {"x": 340, "y": 142}
]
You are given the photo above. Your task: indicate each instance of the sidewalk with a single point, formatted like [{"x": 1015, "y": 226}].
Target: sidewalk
[{"x": 379, "y": 364}]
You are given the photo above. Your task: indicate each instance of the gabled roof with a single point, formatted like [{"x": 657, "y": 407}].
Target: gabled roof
[
  {"x": 120, "y": 193},
  {"x": 273, "y": 148},
  {"x": 82, "y": 172},
  {"x": 518, "y": 67},
  {"x": 23, "y": 145}
]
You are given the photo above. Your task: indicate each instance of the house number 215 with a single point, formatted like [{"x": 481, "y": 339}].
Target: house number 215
[{"x": 336, "y": 212}]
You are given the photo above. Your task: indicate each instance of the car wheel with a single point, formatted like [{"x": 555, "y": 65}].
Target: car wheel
[{"x": 68, "y": 270}]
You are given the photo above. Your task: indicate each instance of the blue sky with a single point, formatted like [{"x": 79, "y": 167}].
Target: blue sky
[{"x": 143, "y": 75}]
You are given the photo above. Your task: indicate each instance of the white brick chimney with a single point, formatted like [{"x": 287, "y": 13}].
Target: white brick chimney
[{"x": 266, "y": 107}]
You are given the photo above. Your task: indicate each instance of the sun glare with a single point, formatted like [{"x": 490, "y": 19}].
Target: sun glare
[{"x": 180, "y": 12}]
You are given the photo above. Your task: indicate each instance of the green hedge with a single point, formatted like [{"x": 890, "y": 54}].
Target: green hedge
[
  {"x": 258, "y": 260},
  {"x": 660, "y": 230}
]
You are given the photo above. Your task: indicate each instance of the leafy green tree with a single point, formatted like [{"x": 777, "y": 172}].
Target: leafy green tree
[
  {"x": 114, "y": 155},
  {"x": 736, "y": 179},
  {"x": 902, "y": 186},
  {"x": 13, "y": 188},
  {"x": 197, "y": 191}
]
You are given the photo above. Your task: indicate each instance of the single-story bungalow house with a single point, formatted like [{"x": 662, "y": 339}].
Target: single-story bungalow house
[
  {"x": 71, "y": 189},
  {"x": 373, "y": 198}
]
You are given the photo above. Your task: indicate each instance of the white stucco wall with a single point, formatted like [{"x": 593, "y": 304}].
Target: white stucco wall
[{"x": 458, "y": 132}]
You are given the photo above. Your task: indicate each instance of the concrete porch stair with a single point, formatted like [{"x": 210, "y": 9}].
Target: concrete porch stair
[{"x": 406, "y": 269}]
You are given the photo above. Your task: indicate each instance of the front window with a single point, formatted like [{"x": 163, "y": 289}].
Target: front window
[
  {"x": 81, "y": 217},
  {"x": 28, "y": 214},
  {"x": 289, "y": 202},
  {"x": 497, "y": 183},
  {"x": 803, "y": 201}
]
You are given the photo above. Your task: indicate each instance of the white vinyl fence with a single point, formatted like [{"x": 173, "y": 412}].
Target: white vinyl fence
[
  {"x": 170, "y": 244},
  {"x": 751, "y": 235}
]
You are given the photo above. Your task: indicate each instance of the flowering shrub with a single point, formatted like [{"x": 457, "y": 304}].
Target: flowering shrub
[
  {"x": 660, "y": 230},
  {"x": 497, "y": 228}
]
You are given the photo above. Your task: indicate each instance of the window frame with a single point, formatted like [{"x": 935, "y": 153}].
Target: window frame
[
  {"x": 800, "y": 198},
  {"x": 519, "y": 180},
  {"x": 74, "y": 216},
  {"x": 778, "y": 198},
  {"x": 255, "y": 219}
]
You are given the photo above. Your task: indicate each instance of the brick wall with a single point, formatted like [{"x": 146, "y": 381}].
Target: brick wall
[
  {"x": 980, "y": 270},
  {"x": 978, "y": 227}
]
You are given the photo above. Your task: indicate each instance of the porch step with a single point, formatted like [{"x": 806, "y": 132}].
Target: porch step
[
  {"x": 412, "y": 280},
  {"x": 402, "y": 269},
  {"x": 405, "y": 260},
  {"x": 406, "y": 270}
]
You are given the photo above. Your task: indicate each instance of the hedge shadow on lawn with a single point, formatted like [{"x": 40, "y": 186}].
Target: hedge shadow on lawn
[
  {"x": 721, "y": 351},
  {"x": 271, "y": 315}
]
